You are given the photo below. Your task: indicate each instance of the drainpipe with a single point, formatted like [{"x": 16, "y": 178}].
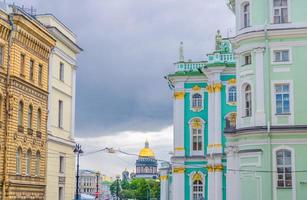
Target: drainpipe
[
  {"x": 268, "y": 97},
  {"x": 7, "y": 106}
]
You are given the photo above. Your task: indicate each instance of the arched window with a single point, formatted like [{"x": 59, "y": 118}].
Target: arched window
[
  {"x": 39, "y": 119},
  {"x": 20, "y": 114},
  {"x": 197, "y": 101},
  {"x": 18, "y": 160},
  {"x": 248, "y": 101},
  {"x": 197, "y": 135},
  {"x": 197, "y": 187},
  {"x": 28, "y": 162},
  {"x": 246, "y": 15},
  {"x": 30, "y": 116},
  {"x": 232, "y": 94},
  {"x": 37, "y": 163},
  {"x": 284, "y": 168},
  {"x": 280, "y": 11}
]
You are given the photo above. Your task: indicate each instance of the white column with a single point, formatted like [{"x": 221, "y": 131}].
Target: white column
[
  {"x": 178, "y": 183},
  {"x": 164, "y": 192},
  {"x": 179, "y": 95},
  {"x": 218, "y": 185},
  {"x": 259, "y": 96},
  {"x": 211, "y": 116},
  {"x": 211, "y": 179},
  {"x": 231, "y": 185}
]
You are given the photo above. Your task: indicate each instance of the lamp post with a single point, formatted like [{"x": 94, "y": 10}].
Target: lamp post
[
  {"x": 77, "y": 151},
  {"x": 97, "y": 185},
  {"x": 117, "y": 187}
]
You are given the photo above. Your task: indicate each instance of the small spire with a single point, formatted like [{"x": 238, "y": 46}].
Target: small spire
[
  {"x": 218, "y": 40},
  {"x": 181, "y": 56},
  {"x": 146, "y": 144}
]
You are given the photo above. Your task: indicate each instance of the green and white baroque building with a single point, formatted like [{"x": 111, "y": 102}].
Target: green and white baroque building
[{"x": 249, "y": 143}]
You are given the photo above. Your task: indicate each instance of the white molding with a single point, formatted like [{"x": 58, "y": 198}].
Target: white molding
[
  {"x": 228, "y": 86},
  {"x": 288, "y": 44},
  {"x": 240, "y": 14},
  {"x": 65, "y": 56},
  {"x": 274, "y": 175},
  {"x": 281, "y": 69},
  {"x": 273, "y": 102},
  {"x": 256, "y": 155},
  {"x": 246, "y": 73}
]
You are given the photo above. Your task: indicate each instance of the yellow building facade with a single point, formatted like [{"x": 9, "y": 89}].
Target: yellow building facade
[
  {"x": 60, "y": 143},
  {"x": 25, "y": 47}
]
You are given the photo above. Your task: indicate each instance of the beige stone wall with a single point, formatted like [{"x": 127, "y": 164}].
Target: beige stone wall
[{"x": 54, "y": 151}]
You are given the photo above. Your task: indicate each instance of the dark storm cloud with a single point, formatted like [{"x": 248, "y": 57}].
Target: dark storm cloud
[{"x": 129, "y": 46}]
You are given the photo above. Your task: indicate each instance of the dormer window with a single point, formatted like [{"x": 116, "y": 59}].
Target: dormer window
[
  {"x": 246, "y": 15},
  {"x": 280, "y": 11}
]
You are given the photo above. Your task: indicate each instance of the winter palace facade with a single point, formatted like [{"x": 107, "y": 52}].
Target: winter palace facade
[{"x": 240, "y": 122}]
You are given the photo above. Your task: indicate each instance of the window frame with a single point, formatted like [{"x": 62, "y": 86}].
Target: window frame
[
  {"x": 61, "y": 72},
  {"x": 62, "y": 164},
  {"x": 30, "y": 117},
  {"x": 282, "y": 101},
  {"x": 39, "y": 119},
  {"x": 18, "y": 161},
  {"x": 273, "y": 8},
  {"x": 40, "y": 74},
  {"x": 203, "y": 180},
  {"x": 280, "y": 49},
  {"x": 200, "y": 133},
  {"x": 200, "y": 102},
  {"x": 60, "y": 114},
  {"x": 28, "y": 162},
  {"x": 244, "y": 61},
  {"x": 275, "y": 175},
  {"x": 244, "y": 23},
  {"x": 245, "y": 108},
  {"x": 22, "y": 64},
  {"x": 20, "y": 113},
  {"x": 37, "y": 163},
  {"x": 31, "y": 70}
]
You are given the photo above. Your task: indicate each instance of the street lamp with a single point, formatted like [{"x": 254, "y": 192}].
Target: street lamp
[
  {"x": 117, "y": 187},
  {"x": 77, "y": 151},
  {"x": 97, "y": 185}
]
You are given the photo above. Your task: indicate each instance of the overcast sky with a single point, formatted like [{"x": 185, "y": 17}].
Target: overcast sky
[{"x": 129, "y": 46}]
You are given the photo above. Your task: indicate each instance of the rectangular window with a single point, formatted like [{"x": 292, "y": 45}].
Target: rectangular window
[
  {"x": 284, "y": 169},
  {"x": 61, "y": 193},
  {"x": 40, "y": 74},
  {"x": 31, "y": 70},
  {"x": 61, "y": 164},
  {"x": 246, "y": 15},
  {"x": 247, "y": 59},
  {"x": 60, "y": 117},
  {"x": 282, "y": 96},
  {"x": 61, "y": 75},
  {"x": 1, "y": 56},
  {"x": 22, "y": 64},
  {"x": 280, "y": 11},
  {"x": 281, "y": 55}
]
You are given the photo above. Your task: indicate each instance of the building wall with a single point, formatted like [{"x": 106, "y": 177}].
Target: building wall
[
  {"x": 32, "y": 40},
  {"x": 61, "y": 139}
]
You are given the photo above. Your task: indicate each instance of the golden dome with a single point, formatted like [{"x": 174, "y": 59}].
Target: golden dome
[{"x": 146, "y": 151}]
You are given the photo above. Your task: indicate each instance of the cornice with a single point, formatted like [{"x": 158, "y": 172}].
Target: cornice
[
  {"x": 57, "y": 51},
  {"x": 59, "y": 140}
]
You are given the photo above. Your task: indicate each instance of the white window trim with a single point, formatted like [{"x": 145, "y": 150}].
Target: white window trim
[
  {"x": 201, "y": 92},
  {"x": 192, "y": 152},
  {"x": 275, "y": 167},
  {"x": 289, "y": 12},
  {"x": 191, "y": 182},
  {"x": 281, "y": 49},
  {"x": 273, "y": 102},
  {"x": 228, "y": 86},
  {"x": 242, "y": 103}
]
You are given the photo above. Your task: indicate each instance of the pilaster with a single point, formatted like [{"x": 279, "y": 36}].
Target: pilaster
[
  {"x": 178, "y": 183},
  {"x": 259, "y": 96},
  {"x": 179, "y": 95}
]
